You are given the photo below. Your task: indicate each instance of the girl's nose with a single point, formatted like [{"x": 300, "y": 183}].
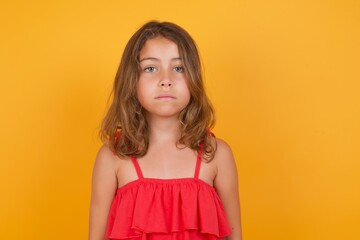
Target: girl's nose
[
  {"x": 167, "y": 84},
  {"x": 165, "y": 80}
]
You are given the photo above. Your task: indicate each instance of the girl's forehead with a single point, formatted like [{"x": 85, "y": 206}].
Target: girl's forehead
[
  {"x": 159, "y": 47},
  {"x": 158, "y": 41}
]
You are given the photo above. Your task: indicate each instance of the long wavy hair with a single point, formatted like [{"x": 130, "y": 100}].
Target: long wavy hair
[{"x": 125, "y": 114}]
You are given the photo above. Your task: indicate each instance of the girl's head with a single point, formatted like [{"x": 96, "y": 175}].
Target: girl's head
[{"x": 126, "y": 111}]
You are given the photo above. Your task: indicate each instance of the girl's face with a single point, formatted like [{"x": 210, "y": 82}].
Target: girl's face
[{"x": 162, "y": 87}]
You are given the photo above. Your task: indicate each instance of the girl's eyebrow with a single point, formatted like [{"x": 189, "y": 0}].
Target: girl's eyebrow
[{"x": 157, "y": 59}]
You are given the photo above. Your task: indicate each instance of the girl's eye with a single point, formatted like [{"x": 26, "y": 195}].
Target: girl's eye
[
  {"x": 179, "y": 69},
  {"x": 150, "y": 69}
]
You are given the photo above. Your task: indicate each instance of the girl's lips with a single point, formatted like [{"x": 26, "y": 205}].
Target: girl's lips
[{"x": 165, "y": 97}]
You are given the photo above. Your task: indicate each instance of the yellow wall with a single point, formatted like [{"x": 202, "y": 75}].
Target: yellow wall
[{"x": 283, "y": 76}]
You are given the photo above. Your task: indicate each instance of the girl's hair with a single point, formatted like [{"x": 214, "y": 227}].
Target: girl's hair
[{"x": 126, "y": 115}]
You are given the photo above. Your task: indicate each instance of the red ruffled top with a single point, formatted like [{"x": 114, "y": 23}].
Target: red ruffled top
[{"x": 167, "y": 209}]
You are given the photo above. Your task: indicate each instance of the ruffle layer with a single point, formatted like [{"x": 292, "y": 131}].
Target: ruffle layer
[{"x": 163, "y": 209}]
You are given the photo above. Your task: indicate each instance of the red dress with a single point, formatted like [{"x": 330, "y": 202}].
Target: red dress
[{"x": 167, "y": 209}]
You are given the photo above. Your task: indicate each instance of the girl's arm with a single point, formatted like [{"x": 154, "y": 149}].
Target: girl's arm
[
  {"x": 226, "y": 185},
  {"x": 104, "y": 184}
]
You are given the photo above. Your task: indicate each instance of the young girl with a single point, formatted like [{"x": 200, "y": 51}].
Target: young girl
[{"x": 161, "y": 174}]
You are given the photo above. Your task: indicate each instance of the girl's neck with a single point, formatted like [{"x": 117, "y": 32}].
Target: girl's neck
[{"x": 164, "y": 130}]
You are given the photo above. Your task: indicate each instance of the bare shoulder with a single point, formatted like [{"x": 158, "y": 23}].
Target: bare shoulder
[
  {"x": 225, "y": 163},
  {"x": 105, "y": 156},
  {"x": 109, "y": 165},
  {"x": 106, "y": 161},
  {"x": 223, "y": 154},
  {"x": 104, "y": 178},
  {"x": 104, "y": 184},
  {"x": 223, "y": 149},
  {"x": 226, "y": 185}
]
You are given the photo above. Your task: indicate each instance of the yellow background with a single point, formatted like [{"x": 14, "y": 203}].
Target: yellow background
[{"x": 283, "y": 76}]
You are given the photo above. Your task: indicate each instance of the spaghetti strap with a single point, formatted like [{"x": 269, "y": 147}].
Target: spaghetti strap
[
  {"x": 197, "y": 169},
  {"x": 199, "y": 156},
  {"x": 198, "y": 161},
  {"x": 137, "y": 167}
]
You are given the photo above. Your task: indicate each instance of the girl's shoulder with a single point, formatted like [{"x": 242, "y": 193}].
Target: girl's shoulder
[
  {"x": 223, "y": 150},
  {"x": 106, "y": 157},
  {"x": 105, "y": 152},
  {"x": 226, "y": 169},
  {"x": 223, "y": 159},
  {"x": 111, "y": 164}
]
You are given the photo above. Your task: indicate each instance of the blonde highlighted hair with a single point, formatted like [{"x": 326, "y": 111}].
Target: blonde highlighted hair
[{"x": 126, "y": 114}]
